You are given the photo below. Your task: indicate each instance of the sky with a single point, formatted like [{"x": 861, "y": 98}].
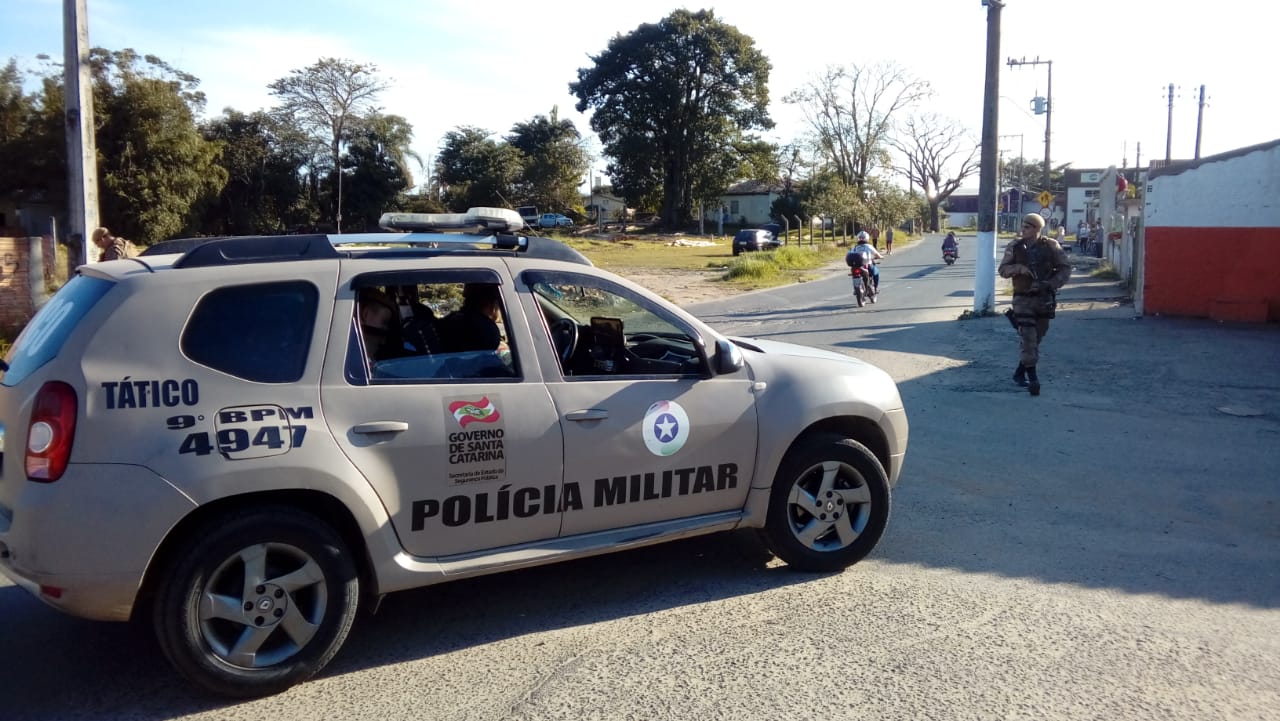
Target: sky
[{"x": 494, "y": 63}]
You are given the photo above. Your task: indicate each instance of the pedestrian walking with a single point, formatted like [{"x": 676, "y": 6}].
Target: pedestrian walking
[
  {"x": 888, "y": 241},
  {"x": 1039, "y": 267}
]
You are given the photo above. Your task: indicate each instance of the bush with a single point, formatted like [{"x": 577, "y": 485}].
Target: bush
[{"x": 758, "y": 266}]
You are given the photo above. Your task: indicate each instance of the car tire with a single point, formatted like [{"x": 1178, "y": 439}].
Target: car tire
[
  {"x": 279, "y": 570},
  {"x": 829, "y": 504},
  {"x": 737, "y": 251}
]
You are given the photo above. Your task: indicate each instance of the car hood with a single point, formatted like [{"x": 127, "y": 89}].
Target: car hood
[
  {"x": 775, "y": 347},
  {"x": 826, "y": 373}
]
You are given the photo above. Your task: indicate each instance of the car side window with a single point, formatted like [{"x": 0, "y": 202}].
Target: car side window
[
  {"x": 599, "y": 328},
  {"x": 426, "y": 330},
  {"x": 259, "y": 332}
]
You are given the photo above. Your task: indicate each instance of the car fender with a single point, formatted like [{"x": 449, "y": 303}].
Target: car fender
[{"x": 804, "y": 388}]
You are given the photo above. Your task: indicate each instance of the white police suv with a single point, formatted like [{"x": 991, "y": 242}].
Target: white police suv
[{"x": 242, "y": 439}]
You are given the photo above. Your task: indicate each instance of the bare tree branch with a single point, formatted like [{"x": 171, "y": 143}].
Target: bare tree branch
[{"x": 939, "y": 155}]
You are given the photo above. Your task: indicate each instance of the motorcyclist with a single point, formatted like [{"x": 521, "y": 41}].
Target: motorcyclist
[
  {"x": 869, "y": 251},
  {"x": 949, "y": 244}
]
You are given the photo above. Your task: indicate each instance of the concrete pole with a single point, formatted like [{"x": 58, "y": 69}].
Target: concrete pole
[
  {"x": 1048, "y": 122},
  {"x": 1199, "y": 121},
  {"x": 984, "y": 282},
  {"x": 82, "y": 154}
]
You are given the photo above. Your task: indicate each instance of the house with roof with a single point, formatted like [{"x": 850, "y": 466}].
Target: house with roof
[{"x": 746, "y": 203}]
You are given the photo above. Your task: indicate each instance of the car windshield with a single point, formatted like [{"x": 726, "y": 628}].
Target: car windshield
[{"x": 582, "y": 303}]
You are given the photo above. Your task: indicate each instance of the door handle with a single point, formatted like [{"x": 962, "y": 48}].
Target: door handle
[
  {"x": 381, "y": 427},
  {"x": 590, "y": 414}
]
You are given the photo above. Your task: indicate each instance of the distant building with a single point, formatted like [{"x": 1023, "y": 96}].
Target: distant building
[{"x": 745, "y": 203}]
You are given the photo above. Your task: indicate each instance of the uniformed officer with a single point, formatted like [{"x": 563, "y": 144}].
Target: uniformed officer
[{"x": 1039, "y": 267}]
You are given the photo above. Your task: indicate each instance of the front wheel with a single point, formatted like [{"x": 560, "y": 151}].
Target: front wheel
[
  {"x": 257, "y": 603},
  {"x": 829, "y": 504}
]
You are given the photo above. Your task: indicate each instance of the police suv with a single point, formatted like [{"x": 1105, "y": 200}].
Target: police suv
[{"x": 240, "y": 440}]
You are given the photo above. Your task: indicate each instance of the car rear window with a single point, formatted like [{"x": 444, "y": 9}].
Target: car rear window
[
  {"x": 43, "y": 337},
  {"x": 259, "y": 332}
]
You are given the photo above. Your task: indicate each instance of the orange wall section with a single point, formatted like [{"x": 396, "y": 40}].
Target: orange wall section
[{"x": 1229, "y": 274}]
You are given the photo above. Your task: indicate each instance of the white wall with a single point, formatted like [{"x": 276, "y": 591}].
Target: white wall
[{"x": 1234, "y": 192}]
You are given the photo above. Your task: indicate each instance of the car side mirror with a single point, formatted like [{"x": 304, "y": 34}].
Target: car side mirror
[{"x": 728, "y": 357}]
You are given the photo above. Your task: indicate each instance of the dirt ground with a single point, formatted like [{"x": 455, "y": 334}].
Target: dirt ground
[{"x": 683, "y": 287}]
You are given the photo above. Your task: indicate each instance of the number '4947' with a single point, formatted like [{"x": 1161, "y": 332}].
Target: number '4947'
[{"x": 244, "y": 442}]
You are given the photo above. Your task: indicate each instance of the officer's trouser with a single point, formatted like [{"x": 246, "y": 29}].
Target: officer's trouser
[{"x": 1030, "y": 328}]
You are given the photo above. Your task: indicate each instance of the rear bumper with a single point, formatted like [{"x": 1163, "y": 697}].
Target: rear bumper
[{"x": 83, "y": 543}]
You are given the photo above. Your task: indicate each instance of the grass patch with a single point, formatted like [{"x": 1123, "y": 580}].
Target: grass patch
[
  {"x": 631, "y": 253},
  {"x": 1106, "y": 271},
  {"x": 756, "y": 267}
]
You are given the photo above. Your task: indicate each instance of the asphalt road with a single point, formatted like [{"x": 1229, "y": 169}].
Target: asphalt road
[{"x": 1109, "y": 550}]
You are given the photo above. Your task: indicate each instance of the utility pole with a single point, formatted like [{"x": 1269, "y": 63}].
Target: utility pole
[
  {"x": 1199, "y": 121},
  {"x": 82, "y": 153},
  {"x": 984, "y": 282},
  {"x": 1168, "y": 136},
  {"x": 1022, "y": 185},
  {"x": 1048, "y": 109}
]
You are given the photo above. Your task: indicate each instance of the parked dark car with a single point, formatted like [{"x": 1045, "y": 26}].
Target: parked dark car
[{"x": 755, "y": 239}]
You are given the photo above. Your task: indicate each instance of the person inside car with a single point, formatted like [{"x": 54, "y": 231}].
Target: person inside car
[
  {"x": 377, "y": 313},
  {"x": 474, "y": 326}
]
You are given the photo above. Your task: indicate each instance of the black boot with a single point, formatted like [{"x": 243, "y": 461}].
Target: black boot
[
  {"x": 1033, "y": 383},
  {"x": 1020, "y": 375}
]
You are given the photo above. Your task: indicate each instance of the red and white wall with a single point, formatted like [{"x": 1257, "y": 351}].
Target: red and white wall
[{"x": 1211, "y": 238}]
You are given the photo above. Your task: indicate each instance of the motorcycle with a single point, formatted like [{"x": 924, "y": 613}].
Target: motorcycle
[
  {"x": 949, "y": 256},
  {"x": 864, "y": 288}
]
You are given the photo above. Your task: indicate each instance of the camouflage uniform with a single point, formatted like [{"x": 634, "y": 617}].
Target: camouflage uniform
[
  {"x": 119, "y": 248},
  {"x": 1032, "y": 309}
]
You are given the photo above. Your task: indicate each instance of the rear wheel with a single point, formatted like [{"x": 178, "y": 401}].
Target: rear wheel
[
  {"x": 257, "y": 603},
  {"x": 829, "y": 504}
]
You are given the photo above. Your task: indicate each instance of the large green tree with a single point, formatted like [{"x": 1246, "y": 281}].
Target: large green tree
[
  {"x": 554, "y": 162},
  {"x": 377, "y": 164},
  {"x": 473, "y": 169},
  {"x": 325, "y": 99},
  {"x": 33, "y": 151},
  {"x": 266, "y": 161},
  {"x": 155, "y": 165},
  {"x": 671, "y": 100}
]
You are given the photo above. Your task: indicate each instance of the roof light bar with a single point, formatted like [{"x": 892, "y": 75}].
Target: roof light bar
[{"x": 475, "y": 220}]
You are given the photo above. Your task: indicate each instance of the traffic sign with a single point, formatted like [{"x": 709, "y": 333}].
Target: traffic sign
[{"x": 1045, "y": 198}]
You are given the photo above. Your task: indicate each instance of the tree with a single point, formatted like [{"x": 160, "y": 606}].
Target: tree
[
  {"x": 265, "y": 162},
  {"x": 827, "y": 195},
  {"x": 33, "y": 149},
  {"x": 939, "y": 155},
  {"x": 887, "y": 205},
  {"x": 325, "y": 98},
  {"x": 378, "y": 161},
  {"x": 851, "y": 111},
  {"x": 1029, "y": 175},
  {"x": 671, "y": 100},
  {"x": 156, "y": 166},
  {"x": 554, "y": 161},
  {"x": 473, "y": 169}
]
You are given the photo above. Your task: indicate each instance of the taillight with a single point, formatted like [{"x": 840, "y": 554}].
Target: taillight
[{"x": 52, "y": 430}]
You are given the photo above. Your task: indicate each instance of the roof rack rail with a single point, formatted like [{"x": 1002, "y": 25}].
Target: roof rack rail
[
  {"x": 475, "y": 220},
  {"x": 500, "y": 241}
]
